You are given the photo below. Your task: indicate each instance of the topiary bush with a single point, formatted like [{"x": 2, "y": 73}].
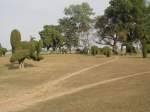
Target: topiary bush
[
  {"x": 100, "y": 51},
  {"x": 107, "y": 51},
  {"x": 85, "y": 50},
  {"x": 15, "y": 39},
  {"x": 2, "y": 51},
  {"x": 22, "y": 50},
  {"x": 94, "y": 50}
]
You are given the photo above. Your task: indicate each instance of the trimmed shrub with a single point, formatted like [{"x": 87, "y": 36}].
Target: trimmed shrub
[
  {"x": 94, "y": 50},
  {"x": 3, "y": 51},
  {"x": 15, "y": 39},
  {"x": 85, "y": 50},
  {"x": 100, "y": 51},
  {"x": 107, "y": 51}
]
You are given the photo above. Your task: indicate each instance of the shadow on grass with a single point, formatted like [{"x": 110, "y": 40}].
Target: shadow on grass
[{"x": 13, "y": 66}]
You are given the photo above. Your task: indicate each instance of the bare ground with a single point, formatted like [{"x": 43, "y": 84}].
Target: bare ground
[{"x": 48, "y": 84}]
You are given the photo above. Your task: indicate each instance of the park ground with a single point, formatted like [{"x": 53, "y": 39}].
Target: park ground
[{"x": 76, "y": 83}]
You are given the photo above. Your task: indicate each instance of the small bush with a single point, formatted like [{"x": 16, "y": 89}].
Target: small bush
[
  {"x": 85, "y": 50},
  {"x": 148, "y": 48},
  {"x": 3, "y": 51},
  {"x": 94, "y": 50},
  {"x": 130, "y": 48},
  {"x": 100, "y": 51},
  {"x": 82, "y": 51},
  {"x": 64, "y": 51},
  {"x": 107, "y": 51}
]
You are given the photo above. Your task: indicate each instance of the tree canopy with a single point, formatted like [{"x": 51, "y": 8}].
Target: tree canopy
[
  {"x": 124, "y": 20},
  {"x": 77, "y": 20},
  {"x": 51, "y": 37}
]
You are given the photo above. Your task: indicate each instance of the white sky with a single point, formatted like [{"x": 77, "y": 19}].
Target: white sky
[{"x": 29, "y": 16}]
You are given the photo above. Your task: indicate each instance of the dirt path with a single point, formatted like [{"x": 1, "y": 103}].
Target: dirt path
[
  {"x": 37, "y": 94},
  {"x": 19, "y": 105}
]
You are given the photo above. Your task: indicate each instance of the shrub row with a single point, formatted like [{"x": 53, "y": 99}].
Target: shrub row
[{"x": 105, "y": 51}]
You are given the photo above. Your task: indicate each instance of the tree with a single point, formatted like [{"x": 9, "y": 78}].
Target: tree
[
  {"x": 81, "y": 15},
  {"x": 51, "y": 37},
  {"x": 125, "y": 17},
  {"x": 24, "y": 50},
  {"x": 76, "y": 23},
  {"x": 69, "y": 29}
]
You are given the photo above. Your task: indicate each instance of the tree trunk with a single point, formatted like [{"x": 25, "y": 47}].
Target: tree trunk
[{"x": 114, "y": 49}]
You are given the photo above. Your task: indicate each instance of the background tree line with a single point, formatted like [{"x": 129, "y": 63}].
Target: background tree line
[{"x": 124, "y": 21}]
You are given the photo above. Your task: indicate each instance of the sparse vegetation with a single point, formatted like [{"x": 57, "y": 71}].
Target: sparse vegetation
[
  {"x": 2, "y": 50},
  {"x": 94, "y": 50},
  {"x": 107, "y": 51}
]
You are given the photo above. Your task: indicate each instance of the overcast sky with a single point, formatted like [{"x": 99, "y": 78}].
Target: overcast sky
[{"x": 29, "y": 16}]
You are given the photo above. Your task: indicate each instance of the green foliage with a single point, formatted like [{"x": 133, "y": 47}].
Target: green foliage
[
  {"x": 148, "y": 48},
  {"x": 130, "y": 48},
  {"x": 77, "y": 20},
  {"x": 81, "y": 15},
  {"x": 2, "y": 50},
  {"x": 94, "y": 50},
  {"x": 20, "y": 55},
  {"x": 69, "y": 29},
  {"x": 106, "y": 51},
  {"x": 100, "y": 51},
  {"x": 129, "y": 19},
  {"x": 25, "y": 50},
  {"x": 83, "y": 51},
  {"x": 15, "y": 39},
  {"x": 51, "y": 37}
]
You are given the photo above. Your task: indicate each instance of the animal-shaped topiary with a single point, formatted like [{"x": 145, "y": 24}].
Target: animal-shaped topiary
[{"x": 22, "y": 50}]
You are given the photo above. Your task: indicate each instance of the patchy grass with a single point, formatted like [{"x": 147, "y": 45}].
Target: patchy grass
[
  {"x": 14, "y": 82},
  {"x": 127, "y": 95}
]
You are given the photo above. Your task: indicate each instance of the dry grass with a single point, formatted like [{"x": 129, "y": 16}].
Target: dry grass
[
  {"x": 37, "y": 73},
  {"x": 128, "y": 95}
]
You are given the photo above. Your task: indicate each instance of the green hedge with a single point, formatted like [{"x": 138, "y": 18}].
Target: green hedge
[
  {"x": 107, "y": 51},
  {"x": 94, "y": 50}
]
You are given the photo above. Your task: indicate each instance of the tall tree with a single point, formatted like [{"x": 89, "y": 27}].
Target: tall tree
[
  {"x": 81, "y": 14},
  {"x": 68, "y": 30},
  {"x": 51, "y": 37},
  {"x": 123, "y": 18},
  {"x": 77, "y": 21}
]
